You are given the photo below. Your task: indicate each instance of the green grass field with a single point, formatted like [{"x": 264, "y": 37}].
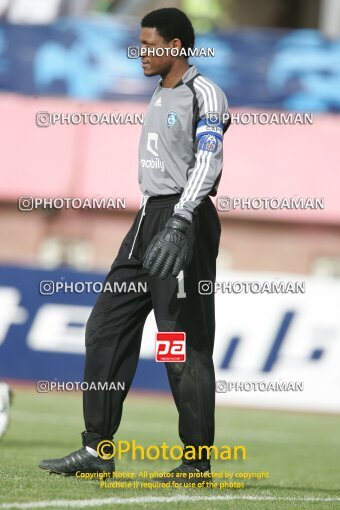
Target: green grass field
[{"x": 300, "y": 452}]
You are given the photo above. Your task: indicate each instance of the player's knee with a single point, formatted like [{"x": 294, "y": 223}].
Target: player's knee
[
  {"x": 176, "y": 369},
  {"x": 91, "y": 330}
]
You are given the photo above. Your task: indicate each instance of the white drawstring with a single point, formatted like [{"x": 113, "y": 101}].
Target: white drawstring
[{"x": 142, "y": 204}]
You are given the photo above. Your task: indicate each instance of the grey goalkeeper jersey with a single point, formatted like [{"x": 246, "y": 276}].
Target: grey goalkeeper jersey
[{"x": 180, "y": 148}]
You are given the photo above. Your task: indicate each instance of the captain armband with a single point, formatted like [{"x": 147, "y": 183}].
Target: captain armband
[{"x": 208, "y": 134}]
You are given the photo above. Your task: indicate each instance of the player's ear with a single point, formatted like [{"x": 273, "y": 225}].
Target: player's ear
[{"x": 176, "y": 43}]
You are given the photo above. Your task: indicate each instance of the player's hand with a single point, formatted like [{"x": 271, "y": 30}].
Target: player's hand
[{"x": 167, "y": 251}]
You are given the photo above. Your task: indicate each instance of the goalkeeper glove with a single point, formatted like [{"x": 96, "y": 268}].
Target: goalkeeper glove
[{"x": 167, "y": 252}]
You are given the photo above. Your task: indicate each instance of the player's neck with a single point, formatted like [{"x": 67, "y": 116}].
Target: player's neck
[{"x": 176, "y": 72}]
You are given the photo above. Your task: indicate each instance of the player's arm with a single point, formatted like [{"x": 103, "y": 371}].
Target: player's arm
[{"x": 213, "y": 112}]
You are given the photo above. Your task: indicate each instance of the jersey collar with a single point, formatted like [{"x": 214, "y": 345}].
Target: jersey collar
[{"x": 187, "y": 76}]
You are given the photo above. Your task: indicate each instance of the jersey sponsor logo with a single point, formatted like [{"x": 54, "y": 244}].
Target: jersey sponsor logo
[
  {"x": 172, "y": 118},
  {"x": 170, "y": 347},
  {"x": 208, "y": 143},
  {"x": 152, "y": 141},
  {"x": 152, "y": 147},
  {"x": 153, "y": 163}
]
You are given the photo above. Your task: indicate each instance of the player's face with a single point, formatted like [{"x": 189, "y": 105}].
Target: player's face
[{"x": 153, "y": 64}]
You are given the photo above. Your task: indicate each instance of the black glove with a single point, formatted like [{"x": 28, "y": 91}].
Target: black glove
[{"x": 167, "y": 251}]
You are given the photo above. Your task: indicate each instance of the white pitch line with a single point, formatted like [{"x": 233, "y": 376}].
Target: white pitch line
[{"x": 81, "y": 503}]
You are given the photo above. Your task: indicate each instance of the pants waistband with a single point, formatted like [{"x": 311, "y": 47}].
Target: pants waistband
[{"x": 162, "y": 200}]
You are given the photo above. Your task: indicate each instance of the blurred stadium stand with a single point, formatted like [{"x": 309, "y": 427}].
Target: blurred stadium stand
[
  {"x": 85, "y": 59},
  {"x": 208, "y": 15},
  {"x": 86, "y": 161}
]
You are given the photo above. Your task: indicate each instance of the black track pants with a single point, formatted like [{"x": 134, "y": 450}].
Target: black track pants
[{"x": 115, "y": 326}]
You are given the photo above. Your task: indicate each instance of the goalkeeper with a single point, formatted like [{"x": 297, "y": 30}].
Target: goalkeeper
[{"x": 172, "y": 245}]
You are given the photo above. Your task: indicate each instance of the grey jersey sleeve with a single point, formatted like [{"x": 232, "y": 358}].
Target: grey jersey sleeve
[{"x": 212, "y": 123}]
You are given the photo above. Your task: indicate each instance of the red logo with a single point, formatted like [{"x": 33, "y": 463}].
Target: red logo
[{"x": 170, "y": 346}]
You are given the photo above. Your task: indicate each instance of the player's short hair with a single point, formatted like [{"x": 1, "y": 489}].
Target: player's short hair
[{"x": 171, "y": 23}]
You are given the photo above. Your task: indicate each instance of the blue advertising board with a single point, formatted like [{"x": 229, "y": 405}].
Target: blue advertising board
[
  {"x": 261, "y": 338},
  {"x": 42, "y": 331}
]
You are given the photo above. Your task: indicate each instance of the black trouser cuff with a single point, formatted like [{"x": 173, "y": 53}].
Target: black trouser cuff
[
  {"x": 200, "y": 459},
  {"x": 92, "y": 439}
]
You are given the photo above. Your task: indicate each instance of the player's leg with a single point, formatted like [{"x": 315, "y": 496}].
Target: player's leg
[
  {"x": 113, "y": 340},
  {"x": 180, "y": 307}
]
